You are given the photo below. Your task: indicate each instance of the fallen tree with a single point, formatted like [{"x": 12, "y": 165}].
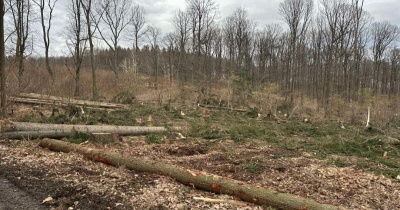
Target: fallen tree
[
  {"x": 24, "y": 130},
  {"x": 34, "y": 98},
  {"x": 55, "y": 103},
  {"x": 200, "y": 180},
  {"x": 222, "y": 108}
]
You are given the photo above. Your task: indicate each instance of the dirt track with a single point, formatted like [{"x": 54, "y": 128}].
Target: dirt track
[{"x": 14, "y": 198}]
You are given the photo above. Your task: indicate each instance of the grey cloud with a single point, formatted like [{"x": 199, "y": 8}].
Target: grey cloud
[
  {"x": 388, "y": 10},
  {"x": 161, "y": 13},
  {"x": 262, "y": 12}
]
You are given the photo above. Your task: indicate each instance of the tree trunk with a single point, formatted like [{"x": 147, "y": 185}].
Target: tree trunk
[
  {"x": 3, "y": 106},
  {"x": 21, "y": 130},
  {"x": 77, "y": 81},
  {"x": 200, "y": 180}
]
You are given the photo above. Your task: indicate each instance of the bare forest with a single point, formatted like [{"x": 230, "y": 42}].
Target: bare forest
[
  {"x": 328, "y": 52},
  {"x": 299, "y": 115}
]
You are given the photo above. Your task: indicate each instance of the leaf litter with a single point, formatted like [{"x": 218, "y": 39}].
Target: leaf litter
[{"x": 93, "y": 185}]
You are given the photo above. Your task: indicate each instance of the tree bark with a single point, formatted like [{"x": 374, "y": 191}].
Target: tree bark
[
  {"x": 22, "y": 130},
  {"x": 200, "y": 180}
]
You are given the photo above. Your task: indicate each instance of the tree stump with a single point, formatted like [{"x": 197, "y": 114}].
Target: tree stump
[{"x": 104, "y": 137}]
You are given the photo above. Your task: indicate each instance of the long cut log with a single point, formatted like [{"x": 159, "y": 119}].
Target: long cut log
[
  {"x": 200, "y": 180},
  {"x": 53, "y": 103},
  {"x": 24, "y": 130},
  {"x": 72, "y": 101},
  {"x": 222, "y": 108}
]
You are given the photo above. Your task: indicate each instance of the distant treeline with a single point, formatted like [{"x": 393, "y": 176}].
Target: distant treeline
[{"x": 330, "y": 49}]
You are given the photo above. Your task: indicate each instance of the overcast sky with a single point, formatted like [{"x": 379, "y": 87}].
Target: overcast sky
[{"x": 161, "y": 12}]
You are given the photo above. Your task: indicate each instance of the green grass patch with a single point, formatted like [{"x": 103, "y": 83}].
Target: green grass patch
[
  {"x": 206, "y": 130},
  {"x": 240, "y": 132},
  {"x": 341, "y": 163},
  {"x": 309, "y": 130},
  {"x": 371, "y": 151},
  {"x": 253, "y": 167},
  {"x": 153, "y": 139},
  {"x": 78, "y": 137},
  {"x": 119, "y": 117}
]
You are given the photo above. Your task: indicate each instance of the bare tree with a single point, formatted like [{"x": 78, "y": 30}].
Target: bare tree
[
  {"x": 383, "y": 35},
  {"x": 240, "y": 30},
  {"x": 46, "y": 29},
  {"x": 297, "y": 14},
  {"x": 76, "y": 41},
  {"x": 21, "y": 15},
  {"x": 394, "y": 71},
  {"x": 230, "y": 44},
  {"x": 317, "y": 56},
  {"x": 182, "y": 29},
  {"x": 359, "y": 17},
  {"x": 117, "y": 17},
  {"x": 2, "y": 65},
  {"x": 92, "y": 20},
  {"x": 153, "y": 36},
  {"x": 170, "y": 42},
  {"x": 138, "y": 21},
  {"x": 266, "y": 59},
  {"x": 338, "y": 16},
  {"x": 202, "y": 14},
  {"x": 341, "y": 38},
  {"x": 218, "y": 50}
]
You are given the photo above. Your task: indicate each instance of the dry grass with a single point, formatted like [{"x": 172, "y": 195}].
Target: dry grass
[{"x": 384, "y": 111}]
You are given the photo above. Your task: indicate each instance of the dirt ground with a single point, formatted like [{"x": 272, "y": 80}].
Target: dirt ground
[
  {"x": 35, "y": 178},
  {"x": 14, "y": 198},
  {"x": 51, "y": 180}
]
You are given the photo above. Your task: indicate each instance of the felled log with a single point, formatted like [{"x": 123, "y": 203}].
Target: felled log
[
  {"x": 24, "y": 130},
  {"x": 197, "y": 179},
  {"x": 45, "y": 99},
  {"x": 53, "y": 103},
  {"x": 223, "y": 108}
]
